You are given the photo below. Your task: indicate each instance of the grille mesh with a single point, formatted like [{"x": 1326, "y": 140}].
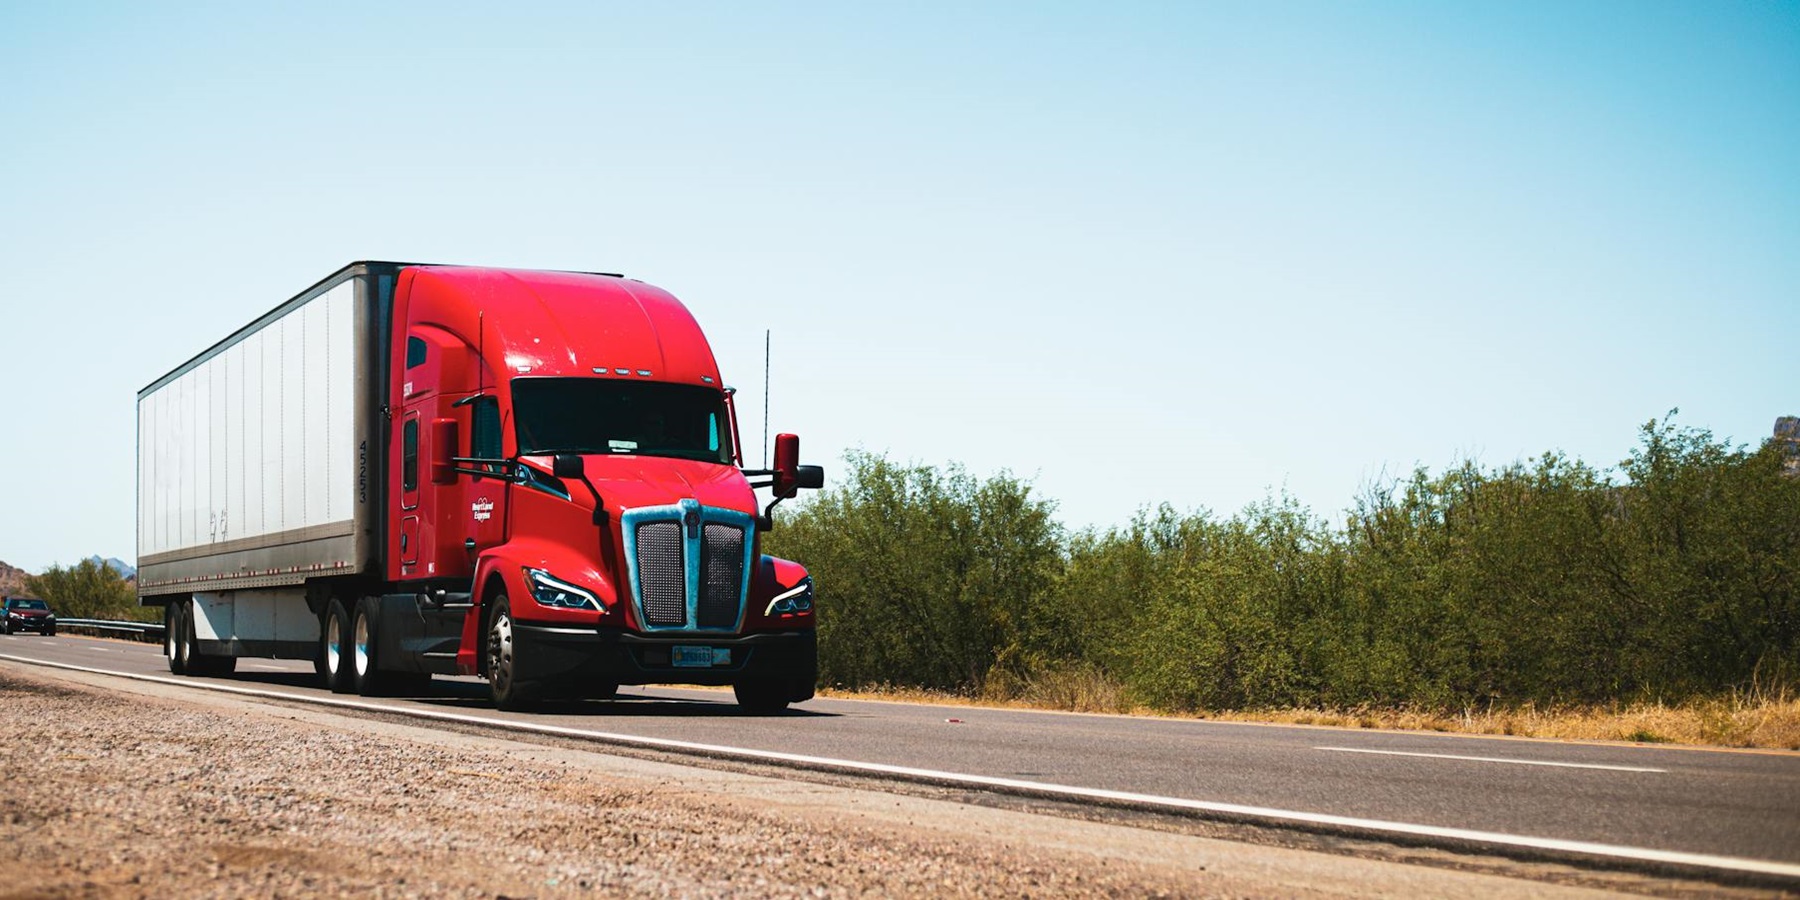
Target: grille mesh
[
  {"x": 721, "y": 576},
  {"x": 661, "y": 574}
]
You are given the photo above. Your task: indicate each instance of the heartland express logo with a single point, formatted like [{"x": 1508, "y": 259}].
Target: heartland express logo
[{"x": 483, "y": 508}]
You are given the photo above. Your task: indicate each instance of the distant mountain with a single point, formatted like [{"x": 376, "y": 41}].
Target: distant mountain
[
  {"x": 124, "y": 569},
  {"x": 12, "y": 581}
]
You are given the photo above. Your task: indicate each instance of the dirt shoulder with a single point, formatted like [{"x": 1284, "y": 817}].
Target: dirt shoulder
[{"x": 114, "y": 788}]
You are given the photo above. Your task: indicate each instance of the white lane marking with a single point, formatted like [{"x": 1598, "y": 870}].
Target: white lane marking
[
  {"x": 1614, "y": 851},
  {"x": 1496, "y": 759}
]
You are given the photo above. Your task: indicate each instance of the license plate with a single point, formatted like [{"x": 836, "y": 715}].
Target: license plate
[{"x": 691, "y": 657}]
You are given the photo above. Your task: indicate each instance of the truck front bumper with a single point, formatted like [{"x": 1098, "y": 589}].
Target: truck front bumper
[{"x": 584, "y": 657}]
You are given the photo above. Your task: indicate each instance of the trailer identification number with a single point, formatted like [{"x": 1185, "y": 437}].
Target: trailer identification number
[{"x": 483, "y": 509}]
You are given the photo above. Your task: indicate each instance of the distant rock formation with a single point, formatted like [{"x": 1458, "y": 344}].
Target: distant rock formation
[
  {"x": 12, "y": 581},
  {"x": 120, "y": 566},
  {"x": 1787, "y": 434}
]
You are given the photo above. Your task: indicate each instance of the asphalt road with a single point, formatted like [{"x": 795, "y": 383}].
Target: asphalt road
[{"x": 1743, "y": 805}]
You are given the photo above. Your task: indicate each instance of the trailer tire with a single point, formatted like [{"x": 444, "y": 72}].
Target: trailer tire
[
  {"x": 761, "y": 697},
  {"x": 507, "y": 691},
  {"x": 182, "y": 662},
  {"x": 172, "y": 638},
  {"x": 334, "y": 644}
]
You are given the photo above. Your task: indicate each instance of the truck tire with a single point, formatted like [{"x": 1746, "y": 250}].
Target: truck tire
[
  {"x": 182, "y": 662},
  {"x": 365, "y": 650},
  {"x": 172, "y": 639},
  {"x": 507, "y": 691},
  {"x": 334, "y": 646},
  {"x": 761, "y": 697}
]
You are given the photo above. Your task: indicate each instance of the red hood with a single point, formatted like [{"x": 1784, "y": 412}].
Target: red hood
[
  {"x": 629, "y": 482},
  {"x": 28, "y": 613}
]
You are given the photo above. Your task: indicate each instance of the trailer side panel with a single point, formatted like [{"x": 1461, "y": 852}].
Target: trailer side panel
[{"x": 254, "y": 457}]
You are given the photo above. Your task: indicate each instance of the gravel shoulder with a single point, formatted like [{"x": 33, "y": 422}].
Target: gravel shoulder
[{"x": 114, "y": 788}]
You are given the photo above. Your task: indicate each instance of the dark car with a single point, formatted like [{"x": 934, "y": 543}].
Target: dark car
[{"x": 24, "y": 614}]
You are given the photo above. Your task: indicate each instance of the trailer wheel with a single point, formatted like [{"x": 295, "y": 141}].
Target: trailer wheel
[
  {"x": 172, "y": 639},
  {"x": 504, "y": 688},
  {"x": 184, "y": 640},
  {"x": 761, "y": 697},
  {"x": 334, "y": 646}
]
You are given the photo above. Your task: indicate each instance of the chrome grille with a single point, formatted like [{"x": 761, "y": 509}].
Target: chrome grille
[
  {"x": 721, "y": 575},
  {"x": 661, "y": 574}
]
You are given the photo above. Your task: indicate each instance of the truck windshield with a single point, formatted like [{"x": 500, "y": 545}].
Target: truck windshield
[{"x": 605, "y": 415}]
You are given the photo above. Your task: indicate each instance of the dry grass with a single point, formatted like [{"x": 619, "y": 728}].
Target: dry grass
[{"x": 1762, "y": 718}]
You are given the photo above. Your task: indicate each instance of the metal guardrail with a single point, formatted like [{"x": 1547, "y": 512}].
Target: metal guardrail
[{"x": 147, "y": 632}]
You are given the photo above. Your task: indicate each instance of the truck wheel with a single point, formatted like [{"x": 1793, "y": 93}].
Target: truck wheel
[
  {"x": 172, "y": 639},
  {"x": 761, "y": 697},
  {"x": 504, "y": 687},
  {"x": 184, "y": 641},
  {"x": 334, "y": 644},
  {"x": 365, "y": 660}
]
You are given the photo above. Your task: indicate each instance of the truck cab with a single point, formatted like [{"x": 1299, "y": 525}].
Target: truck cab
[{"x": 567, "y": 491}]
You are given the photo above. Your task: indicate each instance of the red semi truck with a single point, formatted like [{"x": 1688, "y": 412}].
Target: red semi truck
[{"x": 533, "y": 477}]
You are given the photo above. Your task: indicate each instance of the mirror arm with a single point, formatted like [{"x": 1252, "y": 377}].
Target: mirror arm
[{"x": 766, "y": 521}]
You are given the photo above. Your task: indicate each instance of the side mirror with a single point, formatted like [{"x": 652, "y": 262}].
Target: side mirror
[
  {"x": 443, "y": 449},
  {"x": 787, "y": 466},
  {"x": 812, "y": 477},
  {"x": 567, "y": 465}
]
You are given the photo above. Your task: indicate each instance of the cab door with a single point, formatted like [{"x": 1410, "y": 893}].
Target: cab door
[{"x": 486, "y": 495}]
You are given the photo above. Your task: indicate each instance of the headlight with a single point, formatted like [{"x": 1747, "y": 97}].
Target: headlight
[
  {"x": 796, "y": 599},
  {"x": 548, "y": 590}
]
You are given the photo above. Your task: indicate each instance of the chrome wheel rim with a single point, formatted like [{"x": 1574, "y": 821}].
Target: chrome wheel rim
[
  {"x": 169, "y": 623},
  {"x": 360, "y": 646},
  {"x": 333, "y": 654},
  {"x": 500, "y": 653}
]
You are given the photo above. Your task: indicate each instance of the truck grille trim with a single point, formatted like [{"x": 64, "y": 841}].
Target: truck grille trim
[{"x": 689, "y": 566}]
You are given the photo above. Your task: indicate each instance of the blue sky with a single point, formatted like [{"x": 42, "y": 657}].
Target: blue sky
[{"x": 1137, "y": 253}]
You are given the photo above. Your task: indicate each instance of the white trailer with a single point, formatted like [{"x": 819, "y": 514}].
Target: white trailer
[{"x": 259, "y": 474}]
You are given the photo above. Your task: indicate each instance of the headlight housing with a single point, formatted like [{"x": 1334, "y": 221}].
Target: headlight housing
[
  {"x": 796, "y": 599},
  {"x": 549, "y": 590}
]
